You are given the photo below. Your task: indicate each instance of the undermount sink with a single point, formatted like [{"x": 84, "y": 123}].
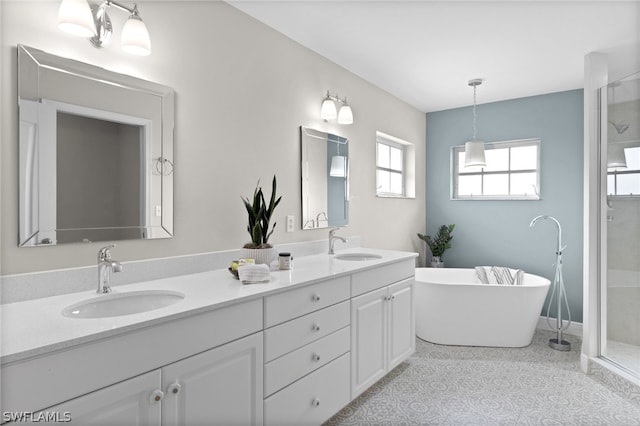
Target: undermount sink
[
  {"x": 357, "y": 256},
  {"x": 117, "y": 304}
]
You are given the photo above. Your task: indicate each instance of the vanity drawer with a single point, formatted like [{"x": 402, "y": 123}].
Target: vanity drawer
[
  {"x": 289, "y": 368},
  {"x": 291, "y": 335},
  {"x": 372, "y": 279},
  {"x": 294, "y": 303},
  {"x": 312, "y": 399}
]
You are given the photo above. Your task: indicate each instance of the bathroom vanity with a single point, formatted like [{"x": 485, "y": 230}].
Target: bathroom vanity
[{"x": 292, "y": 351}]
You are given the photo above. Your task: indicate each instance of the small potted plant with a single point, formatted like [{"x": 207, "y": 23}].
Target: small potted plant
[
  {"x": 259, "y": 225},
  {"x": 439, "y": 244}
]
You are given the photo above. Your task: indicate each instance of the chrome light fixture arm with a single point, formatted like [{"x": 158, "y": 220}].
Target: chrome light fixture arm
[{"x": 104, "y": 29}]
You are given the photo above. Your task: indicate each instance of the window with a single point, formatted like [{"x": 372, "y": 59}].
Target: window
[
  {"x": 625, "y": 181},
  {"x": 395, "y": 167},
  {"x": 512, "y": 172}
]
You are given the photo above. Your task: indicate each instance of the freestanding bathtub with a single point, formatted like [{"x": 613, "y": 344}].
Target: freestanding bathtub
[{"x": 454, "y": 308}]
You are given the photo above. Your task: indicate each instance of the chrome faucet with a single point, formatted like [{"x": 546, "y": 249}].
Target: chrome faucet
[
  {"x": 319, "y": 218},
  {"x": 105, "y": 266},
  {"x": 332, "y": 239}
]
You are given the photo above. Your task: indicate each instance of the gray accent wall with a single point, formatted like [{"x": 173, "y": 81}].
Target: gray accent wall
[{"x": 497, "y": 232}]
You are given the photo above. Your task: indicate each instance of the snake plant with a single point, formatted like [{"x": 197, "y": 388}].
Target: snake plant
[{"x": 259, "y": 215}]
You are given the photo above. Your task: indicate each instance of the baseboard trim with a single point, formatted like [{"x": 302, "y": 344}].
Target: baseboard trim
[{"x": 575, "y": 328}]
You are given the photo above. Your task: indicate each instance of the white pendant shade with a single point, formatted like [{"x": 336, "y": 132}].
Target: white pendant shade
[
  {"x": 474, "y": 154},
  {"x": 616, "y": 158},
  {"x": 135, "y": 37},
  {"x": 338, "y": 166},
  {"x": 75, "y": 17},
  {"x": 328, "y": 111},
  {"x": 346, "y": 115}
]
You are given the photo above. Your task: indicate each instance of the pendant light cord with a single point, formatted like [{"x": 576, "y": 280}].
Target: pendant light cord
[{"x": 474, "y": 112}]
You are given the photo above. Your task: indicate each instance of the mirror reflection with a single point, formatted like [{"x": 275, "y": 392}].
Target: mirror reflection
[
  {"x": 96, "y": 153},
  {"x": 325, "y": 179}
]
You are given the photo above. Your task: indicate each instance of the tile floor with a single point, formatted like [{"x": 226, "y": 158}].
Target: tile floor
[{"x": 453, "y": 385}]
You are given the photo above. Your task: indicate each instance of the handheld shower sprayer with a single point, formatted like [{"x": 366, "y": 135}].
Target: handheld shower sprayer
[{"x": 558, "y": 290}]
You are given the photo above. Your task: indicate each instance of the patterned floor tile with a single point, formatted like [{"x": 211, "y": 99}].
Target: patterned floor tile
[{"x": 454, "y": 385}]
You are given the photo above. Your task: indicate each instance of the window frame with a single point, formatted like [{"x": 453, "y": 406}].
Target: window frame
[
  {"x": 455, "y": 174},
  {"x": 408, "y": 166}
]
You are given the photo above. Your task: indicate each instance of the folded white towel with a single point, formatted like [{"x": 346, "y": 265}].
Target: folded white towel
[
  {"x": 499, "y": 275},
  {"x": 251, "y": 274}
]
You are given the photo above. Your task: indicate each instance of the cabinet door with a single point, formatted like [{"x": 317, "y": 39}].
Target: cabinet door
[
  {"x": 368, "y": 339},
  {"x": 129, "y": 403},
  {"x": 402, "y": 340},
  {"x": 222, "y": 386}
]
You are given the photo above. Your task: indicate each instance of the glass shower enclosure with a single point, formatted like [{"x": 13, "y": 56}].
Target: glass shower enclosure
[{"x": 620, "y": 229}]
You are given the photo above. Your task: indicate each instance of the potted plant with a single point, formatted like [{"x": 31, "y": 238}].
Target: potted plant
[
  {"x": 439, "y": 244},
  {"x": 259, "y": 225}
]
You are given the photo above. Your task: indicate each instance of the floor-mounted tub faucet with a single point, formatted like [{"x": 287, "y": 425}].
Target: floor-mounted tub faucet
[
  {"x": 105, "y": 266},
  {"x": 332, "y": 239}
]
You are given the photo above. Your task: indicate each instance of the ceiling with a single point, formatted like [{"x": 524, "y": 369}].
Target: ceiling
[{"x": 424, "y": 52}]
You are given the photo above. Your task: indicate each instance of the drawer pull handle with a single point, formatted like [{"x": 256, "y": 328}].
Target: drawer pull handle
[
  {"x": 315, "y": 357},
  {"x": 315, "y": 327},
  {"x": 315, "y": 402},
  {"x": 315, "y": 297},
  {"x": 156, "y": 396},
  {"x": 174, "y": 388}
]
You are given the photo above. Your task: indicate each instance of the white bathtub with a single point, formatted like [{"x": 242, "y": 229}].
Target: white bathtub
[{"x": 454, "y": 308}]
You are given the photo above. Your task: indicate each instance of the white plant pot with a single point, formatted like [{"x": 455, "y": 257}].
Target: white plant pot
[
  {"x": 436, "y": 262},
  {"x": 266, "y": 255}
]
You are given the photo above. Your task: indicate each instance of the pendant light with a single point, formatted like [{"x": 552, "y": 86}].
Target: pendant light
[
  {"x": 616, "y": 158},
  {"x": 338, "y": 165},
  {"x": 474, "y": 149}
]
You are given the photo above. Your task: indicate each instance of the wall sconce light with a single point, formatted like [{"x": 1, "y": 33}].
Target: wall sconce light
[
  {"x": 328, "y": 110},
  {"x": 77, "y": 17},
  {"x": 474, "y": 149}
]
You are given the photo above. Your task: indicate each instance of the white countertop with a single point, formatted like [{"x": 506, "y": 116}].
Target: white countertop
[{"x": 37, "y": 326}]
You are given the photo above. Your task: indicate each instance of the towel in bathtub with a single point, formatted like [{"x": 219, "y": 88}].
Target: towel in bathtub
[{"x": 499, "y": 275}]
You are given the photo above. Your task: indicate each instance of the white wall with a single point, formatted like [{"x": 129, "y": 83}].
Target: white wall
[{"x": 242, "y": 91}]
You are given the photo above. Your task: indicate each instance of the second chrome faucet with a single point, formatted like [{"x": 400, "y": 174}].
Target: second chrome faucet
[
  {"x": 332, "y": 239},
  {"x": 106, "y": 265}
]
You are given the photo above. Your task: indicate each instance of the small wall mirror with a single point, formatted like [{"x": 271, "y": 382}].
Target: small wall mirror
[
  {"x": 96, "y": 153},
  {"x": 325, "y": 179}
]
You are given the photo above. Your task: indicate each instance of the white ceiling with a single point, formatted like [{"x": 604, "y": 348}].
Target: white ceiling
[{"x": 425, "y": 52}]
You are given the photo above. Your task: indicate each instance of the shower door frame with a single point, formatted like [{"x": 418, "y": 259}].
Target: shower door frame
[{"x": 600, "y": 69}]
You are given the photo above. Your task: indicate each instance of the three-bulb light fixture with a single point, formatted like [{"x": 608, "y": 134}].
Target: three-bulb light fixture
[
  {"x": 79, "y": 18},
  {"x": 328, "y": 110}
]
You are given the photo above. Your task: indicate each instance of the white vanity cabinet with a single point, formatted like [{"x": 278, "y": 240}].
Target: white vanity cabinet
[
  {"x": 292, "y": 352},
  {"x": 208, "y": 365},
  {"x": 382, "y": 325},
  {"x": 221, "y": 386},
  {"x": 134, "y": 402},
  {"x": 307, "y": 358}
]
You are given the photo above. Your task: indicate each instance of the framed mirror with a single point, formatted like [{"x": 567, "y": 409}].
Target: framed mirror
[
  {"x": 96, "y": 153},
  {"x": 325, "y": 179}
]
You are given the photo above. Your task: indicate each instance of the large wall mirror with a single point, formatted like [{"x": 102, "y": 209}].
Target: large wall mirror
[
  {"x": 96, "y": 153},
  {"x": 325, "y": 179}
]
